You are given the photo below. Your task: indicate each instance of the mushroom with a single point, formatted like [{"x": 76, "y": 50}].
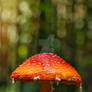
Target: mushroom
[{"x": 46, "y": 68}]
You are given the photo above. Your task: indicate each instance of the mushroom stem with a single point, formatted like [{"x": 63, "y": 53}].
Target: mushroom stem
[{"x": 46, "y": 86}]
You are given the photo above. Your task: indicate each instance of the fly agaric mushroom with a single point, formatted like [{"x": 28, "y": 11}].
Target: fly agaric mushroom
[{"x": 46, "y": 68}]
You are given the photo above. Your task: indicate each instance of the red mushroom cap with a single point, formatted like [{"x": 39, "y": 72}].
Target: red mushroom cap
[{"x": 46, "y": 66}]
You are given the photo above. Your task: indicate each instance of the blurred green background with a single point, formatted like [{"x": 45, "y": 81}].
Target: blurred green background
[{"x": 63, "y": 27}]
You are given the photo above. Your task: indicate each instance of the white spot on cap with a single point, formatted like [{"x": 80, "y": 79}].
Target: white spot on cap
[
  {"x": 13, "y": 81},
  {"x": 74, "y": 79},
  {"x": 34, "y": 61},
  {"x": 58, "y": 79},
  {"x": 58, "y": 62},
  {"x": 48, "y": 64},
  {"x": 37, "y": 77},
  {"x": 39, "y": 63}
]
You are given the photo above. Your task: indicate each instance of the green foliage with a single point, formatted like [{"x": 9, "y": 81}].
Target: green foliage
[{"x": 35, "y": 87}]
